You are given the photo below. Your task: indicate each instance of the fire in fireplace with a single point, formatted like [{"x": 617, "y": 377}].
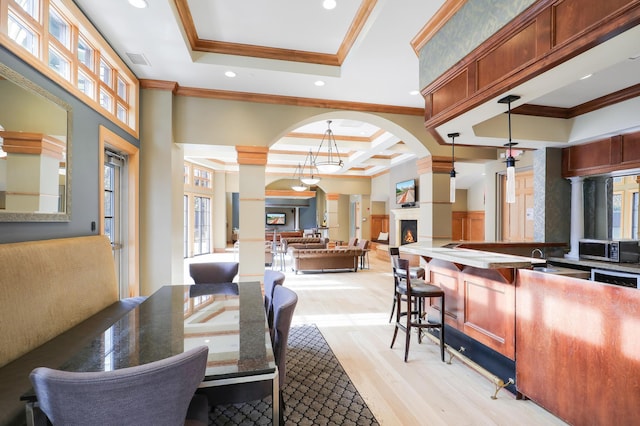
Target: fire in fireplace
[{"x": 408, "y": 231}]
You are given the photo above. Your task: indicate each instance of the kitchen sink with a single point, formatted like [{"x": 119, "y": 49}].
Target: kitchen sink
[{"x": 544, "y": 269}]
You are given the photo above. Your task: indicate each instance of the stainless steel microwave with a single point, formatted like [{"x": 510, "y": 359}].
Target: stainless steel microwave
[{"x": 624, "y": 251}]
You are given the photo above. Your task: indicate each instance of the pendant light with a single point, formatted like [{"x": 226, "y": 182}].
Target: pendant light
[
  {"x": 310, "y": 178},
  {"x": 297, "y": 180},
  {"x": 511, "y": 162},
  {"x": 452, "y": 174},
  {"x": 333, "y": 163}
]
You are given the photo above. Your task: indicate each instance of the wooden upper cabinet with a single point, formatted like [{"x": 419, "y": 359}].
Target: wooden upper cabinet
[{"x": 612, "y": 154}]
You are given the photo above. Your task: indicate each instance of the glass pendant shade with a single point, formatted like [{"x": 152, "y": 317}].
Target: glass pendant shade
[
  {"x": 329, "y": 167},
  {"x": 299, "y": 188},
  {"x": 511, "y": 180},
  {"x": 452, "y": 187},
  {"x": 310, "y": 180},
  {"x": 297, "y": 180}
]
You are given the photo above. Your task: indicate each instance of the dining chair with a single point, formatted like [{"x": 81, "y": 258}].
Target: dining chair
[
  {"x": 416, "y": 272},
  {"x": 271, "y": 280},
  {"x": 364, "y": 257},
  {"x": 415, "y": 293},
  {"x": 156, "y": 393},
  {"x": 284, "y": 304},
  {"x": 222, "y": 273}
]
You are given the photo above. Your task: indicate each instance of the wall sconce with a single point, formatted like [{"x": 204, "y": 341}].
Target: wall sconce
[
  {"x": 452, "y": 174},
  {"x": 511, "y": 162}
]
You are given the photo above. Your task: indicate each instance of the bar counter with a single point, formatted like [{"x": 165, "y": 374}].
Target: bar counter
[{"x": 570, "y": 343}]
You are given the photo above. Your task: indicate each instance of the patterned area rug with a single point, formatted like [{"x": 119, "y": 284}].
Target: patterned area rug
[{"x": 317, "y": 392}]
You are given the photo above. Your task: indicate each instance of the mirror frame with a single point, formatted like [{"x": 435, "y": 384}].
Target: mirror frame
[{"x": 9, "y": 216}]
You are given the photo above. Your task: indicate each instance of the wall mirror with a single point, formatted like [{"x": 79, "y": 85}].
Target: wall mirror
[
  {"x": 611, "y": 205},
  {"x": 35, "y": 152}
]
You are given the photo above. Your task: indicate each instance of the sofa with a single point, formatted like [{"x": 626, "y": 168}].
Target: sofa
[
  {"x": 304, "y": 243},
  {"x": 55, "y": 295},
  {"x": 324, "y": 259}
]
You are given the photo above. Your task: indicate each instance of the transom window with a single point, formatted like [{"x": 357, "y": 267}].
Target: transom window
[{"x": 52, "y": 32}]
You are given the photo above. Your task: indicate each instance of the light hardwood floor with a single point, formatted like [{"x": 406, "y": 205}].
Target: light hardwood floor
[{"x": 352, "y": 311}]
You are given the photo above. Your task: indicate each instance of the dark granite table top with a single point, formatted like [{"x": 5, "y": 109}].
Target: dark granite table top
[{"x": 230, "y": 320}]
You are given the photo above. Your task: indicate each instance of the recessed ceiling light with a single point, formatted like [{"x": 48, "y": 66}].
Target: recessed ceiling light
[
  {"x": 140, "y": 4},
  {"x": 319, "y": 83},
  {"x": 584, "y": 77},
  {"x": 414, "y": 92},
  {"x": 230, "y": 74},
  {"x": 329, "y": 4}
]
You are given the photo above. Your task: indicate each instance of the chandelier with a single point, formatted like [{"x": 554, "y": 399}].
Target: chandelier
[
  {"x": 333, "y": 163},
  {"x": 511, "y": 161},
  {"x": 297, "y": 184},
  {"x": 309, "y": 178}
]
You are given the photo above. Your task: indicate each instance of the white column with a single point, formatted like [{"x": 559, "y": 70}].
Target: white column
[{"x": 577, "y": 215}]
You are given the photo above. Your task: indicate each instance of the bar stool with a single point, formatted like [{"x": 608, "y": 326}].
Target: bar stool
[
  {"x": 415, "y": 316},
  {"x": 416, "y": 272}
]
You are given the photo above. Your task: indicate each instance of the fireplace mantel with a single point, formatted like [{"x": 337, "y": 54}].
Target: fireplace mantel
[{"x": 412, "y": 213}]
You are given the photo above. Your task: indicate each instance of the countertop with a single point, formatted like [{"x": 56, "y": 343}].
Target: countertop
[
  {"x": 632, "y": 268},
  {"x": 469, "y": 257}
]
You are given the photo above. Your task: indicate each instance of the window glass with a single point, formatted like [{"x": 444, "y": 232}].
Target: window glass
[
  {"x": 59, "y": 64},
  {"x": 22, "y": 35},
  {"x": 86, "y": 85},
  {"x": 85, "y": 53},
  {"x": 59, "y": 28},
  {"x": 121, "y": 113},
  {"x": 105, "y": 73},
  {"x": 30, "y": 6},
  {"x": 122, "y": 89},
  {"x": 616, "y": 219},
  {"x": 105, "y": 100}
]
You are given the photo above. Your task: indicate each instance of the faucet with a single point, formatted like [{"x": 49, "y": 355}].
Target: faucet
[{"x": 537, "y": 250}]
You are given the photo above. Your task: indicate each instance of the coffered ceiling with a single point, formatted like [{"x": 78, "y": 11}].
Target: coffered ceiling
[{"x": 361, "y": 52}]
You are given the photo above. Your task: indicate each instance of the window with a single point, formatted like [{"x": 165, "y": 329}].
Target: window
[
  {"x": 616, "y": 220},
  {"x": 59, "y": 64},
  {"x": 105, "y": 73},
  {"x": 59, "y": 28},
  {"x": 74, "y": 54},
  {"x": 85, "y": 53},
  {"x": 201, "y": 225},
  {"x": 22, "y": 35},
  {"x": 201, "y": 178},
  {"x": 86, "y": 85},
  {"x": 31, "y": 7}
]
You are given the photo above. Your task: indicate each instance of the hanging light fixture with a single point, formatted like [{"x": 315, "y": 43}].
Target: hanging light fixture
[
  {"x": 333, "y": 162},
  {"x": 310, "y": 178},
  {"x": 511, "y": 162},
  {"x": 452, "y": 174},
  {"x": 297, "y": 180}
]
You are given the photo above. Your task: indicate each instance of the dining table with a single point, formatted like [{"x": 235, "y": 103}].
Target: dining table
[{"x": 229, "y": 319}]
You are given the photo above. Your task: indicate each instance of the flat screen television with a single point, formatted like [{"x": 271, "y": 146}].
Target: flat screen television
[
  {"x": 276, "y": 219},
  {"x": 406, "y": 191}
]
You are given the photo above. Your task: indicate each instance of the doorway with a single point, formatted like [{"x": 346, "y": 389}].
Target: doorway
[{"x": 118, "y": 206}]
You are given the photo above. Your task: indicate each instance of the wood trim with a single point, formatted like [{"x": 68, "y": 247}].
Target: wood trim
[
  {"x": 265, "y": 52},
  {"x": 170, "y": 86},
  {"x": 549, "y": 53},
  {"x": 33, "y": 144},
  {"x": 608, "y": 155},
  {"x": 332, "y": 196},
  {"x": 436, "y": 23},
  {"x": 283, "y": 100},
  {"x": 433, "y": 164},
  {"x": 252, "y": 155},
  {"x": 108, "y": 138},
  {"x": 283, "y": 193}
]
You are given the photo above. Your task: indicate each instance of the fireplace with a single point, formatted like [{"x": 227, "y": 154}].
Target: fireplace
[{"x": 408, "y": 231}]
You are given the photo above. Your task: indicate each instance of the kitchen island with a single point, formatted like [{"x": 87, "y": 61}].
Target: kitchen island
[{"x": 572, "y": 343}]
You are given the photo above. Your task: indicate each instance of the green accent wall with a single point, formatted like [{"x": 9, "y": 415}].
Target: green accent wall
[{"x": 475, "y": 22}]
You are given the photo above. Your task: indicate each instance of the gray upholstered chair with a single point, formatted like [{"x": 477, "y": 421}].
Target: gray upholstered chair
[
  {"x": 157, "y": 393},
  {"x": 284, "y": 304},
  {"x": 271, "y": 280},
  {"x": 222, "y": 273}
]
